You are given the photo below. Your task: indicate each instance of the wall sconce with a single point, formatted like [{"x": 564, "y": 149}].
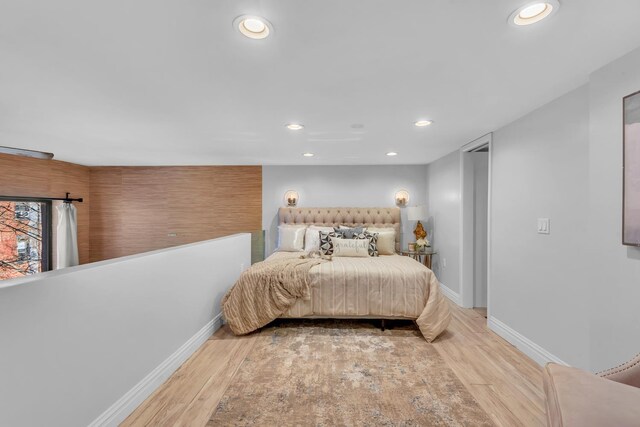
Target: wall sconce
[
  {"x": 291, "y": 198},
  {"x": 402, "y": 198}
]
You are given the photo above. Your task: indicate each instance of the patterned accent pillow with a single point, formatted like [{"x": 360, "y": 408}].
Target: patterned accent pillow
[
  {"x": 348, "y": 232},
  {"x": 326, "y": 244},
  {"x": 373, "y": 241}
]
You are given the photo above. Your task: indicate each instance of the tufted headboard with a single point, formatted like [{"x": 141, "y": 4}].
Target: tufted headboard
[{"x": 334, "y": 217}]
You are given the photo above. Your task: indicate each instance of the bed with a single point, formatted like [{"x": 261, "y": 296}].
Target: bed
[{"x": 290, "y": 285}]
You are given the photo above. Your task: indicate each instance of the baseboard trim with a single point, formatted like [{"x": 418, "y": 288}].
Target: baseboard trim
[
  {"x": 522, "y": 343},
  {"x": 124, "y": 406},
  {"x": 453, "y": 296}
]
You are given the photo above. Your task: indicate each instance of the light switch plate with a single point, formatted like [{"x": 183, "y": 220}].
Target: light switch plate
[{"x": 543, "y": 226}]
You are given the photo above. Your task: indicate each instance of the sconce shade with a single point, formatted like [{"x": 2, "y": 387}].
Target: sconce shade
[
  {"x": 416, "y": 213},
  {"x": 402, "y": 198},
  {"x": 291, "y": 198}
]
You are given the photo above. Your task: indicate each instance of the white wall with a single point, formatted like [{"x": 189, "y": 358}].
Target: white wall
[
  {"x": 340, "y": 186},
  {"x": 480, "y": 200},
  {"x": 74, "y": 341},
  {"x": 614, "y": 269},
  {"x": 571, "y": 295},
  {"x": 564, "y": 161},
  {"x": 538, "y": 281},
  {"x": 443, "y": 227}
]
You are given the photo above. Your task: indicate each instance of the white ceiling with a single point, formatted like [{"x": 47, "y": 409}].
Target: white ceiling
[{"x": 158, "y": 82}]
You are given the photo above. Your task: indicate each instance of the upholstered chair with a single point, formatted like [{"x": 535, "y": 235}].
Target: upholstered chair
[{"x": 581, "y": 399}]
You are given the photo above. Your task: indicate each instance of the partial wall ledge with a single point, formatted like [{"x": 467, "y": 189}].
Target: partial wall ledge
[{"x": 86, "y": 345}]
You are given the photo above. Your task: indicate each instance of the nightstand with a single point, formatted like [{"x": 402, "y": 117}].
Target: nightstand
[{"x": 423, "y": 256}]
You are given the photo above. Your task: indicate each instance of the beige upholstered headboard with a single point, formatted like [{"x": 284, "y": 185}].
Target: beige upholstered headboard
[{"x": 334, "y": 217}]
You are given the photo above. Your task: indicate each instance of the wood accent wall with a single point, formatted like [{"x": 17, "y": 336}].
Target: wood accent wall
[
  {"x": 129, "y": 210},
  {"x": 136, "y": 209},
  {"x": 27, "y": 177}
]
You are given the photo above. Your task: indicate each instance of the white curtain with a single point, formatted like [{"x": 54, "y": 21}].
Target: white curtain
[{"x": 67, "y": 236}]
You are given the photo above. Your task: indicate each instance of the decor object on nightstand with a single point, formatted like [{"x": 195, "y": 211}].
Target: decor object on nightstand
[
  {"x": 291, "y": 198},
  {"x": 416, "y": 213},
  {"x": 402, "y": 198},
  {"x": 421, "y": 244}
]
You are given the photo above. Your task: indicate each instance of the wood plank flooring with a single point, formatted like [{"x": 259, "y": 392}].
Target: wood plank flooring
[{"x": 505, "y": 382}]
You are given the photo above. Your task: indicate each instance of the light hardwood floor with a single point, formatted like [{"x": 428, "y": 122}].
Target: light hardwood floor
[{"x": 505, "y": 382}]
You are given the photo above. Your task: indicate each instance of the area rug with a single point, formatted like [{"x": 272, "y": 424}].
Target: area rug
[{"x": 345, "y": 373}]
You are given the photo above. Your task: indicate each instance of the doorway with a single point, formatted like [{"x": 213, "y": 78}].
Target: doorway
[{"x": 475, "y": 232}]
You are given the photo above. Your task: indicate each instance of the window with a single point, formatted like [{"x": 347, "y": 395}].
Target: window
[
  {"x": 22, "y": 210},
  {"x": 23, "y": 249},
  {"x": 25, "y": 237}
]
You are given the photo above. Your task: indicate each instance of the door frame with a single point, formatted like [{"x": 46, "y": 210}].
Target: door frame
[{"x": 467, "y": 227}]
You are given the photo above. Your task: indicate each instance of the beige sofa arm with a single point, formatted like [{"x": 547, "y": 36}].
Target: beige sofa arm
[
  {"x": 627, "y": 373},
  {"x": 577, "y": 398}
]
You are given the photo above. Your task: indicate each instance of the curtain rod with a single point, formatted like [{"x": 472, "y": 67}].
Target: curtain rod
[{"x": 65, "y": 199}]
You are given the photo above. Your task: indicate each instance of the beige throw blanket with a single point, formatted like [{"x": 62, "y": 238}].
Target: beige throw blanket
[{"x": 265, "y": 291}]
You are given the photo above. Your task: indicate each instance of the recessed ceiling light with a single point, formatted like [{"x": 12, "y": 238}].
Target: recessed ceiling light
[
  {"x": 422, "y": 123},
  {"x": 308, "y": 154},
  {"x": 392, "y": 153},
  {"x": 533, "y": 12},
  {"x": 295, "y": 126},
  {"x": 253, "y": 27}
]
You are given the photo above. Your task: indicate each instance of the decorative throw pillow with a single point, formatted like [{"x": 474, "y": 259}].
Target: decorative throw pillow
[
  {"x": 350, "y": 247},
  {"x": 373, "y": 241},
  {"x": 386, "y": 240},
  {"x": 312, "y": 237},
  {"x": 326, "y": 245},
  {"x": 291, "y": 238},
  {"x": 348, "y": 232}
]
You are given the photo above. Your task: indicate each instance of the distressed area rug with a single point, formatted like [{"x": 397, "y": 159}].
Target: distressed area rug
[{"x": 345, "y": 373}]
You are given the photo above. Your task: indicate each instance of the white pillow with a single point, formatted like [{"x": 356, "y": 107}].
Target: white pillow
[
  {"x": 312, "y": 237},
  {"x": 350, "y": 247},
  {"x": 291, "y": 238},
  {"x": 386, "y": 240}
]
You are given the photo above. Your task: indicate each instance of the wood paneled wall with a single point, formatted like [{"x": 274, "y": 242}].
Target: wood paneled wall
[
  {"x": 128, "y": 210},
  {"x": 24, "y": 176},
  {"x": 138, "y": 209}
]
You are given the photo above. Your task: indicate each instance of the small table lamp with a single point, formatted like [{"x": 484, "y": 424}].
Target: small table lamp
[{"x": 416, "y": 213}]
